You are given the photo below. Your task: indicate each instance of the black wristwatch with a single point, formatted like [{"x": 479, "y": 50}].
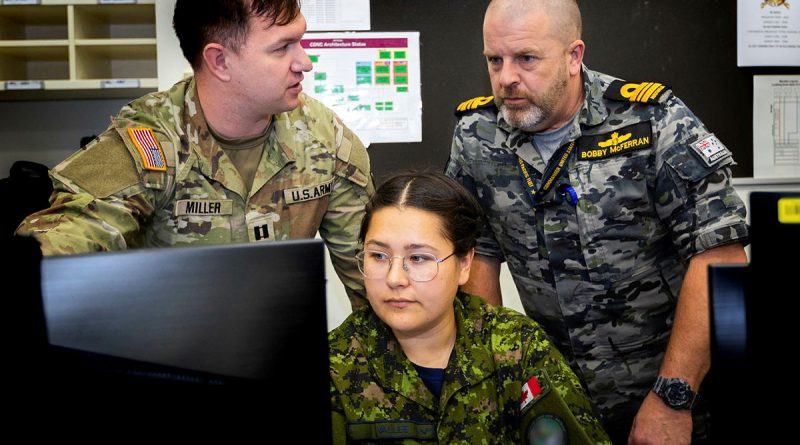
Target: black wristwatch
[{"x": 676, "y": 393}]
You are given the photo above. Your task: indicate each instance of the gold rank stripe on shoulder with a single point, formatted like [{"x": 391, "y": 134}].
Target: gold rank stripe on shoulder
[
  {"x": 645, "y": 92},
  {"x": 149, "y": 149},
  {"x": 474, "y": 103}
]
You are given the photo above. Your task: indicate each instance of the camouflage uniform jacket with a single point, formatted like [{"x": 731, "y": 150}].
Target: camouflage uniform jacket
[
  {"x": 378, "y": 396},
  {"x": 313, "y": 176},
  {"x": 602, "y": 276}
]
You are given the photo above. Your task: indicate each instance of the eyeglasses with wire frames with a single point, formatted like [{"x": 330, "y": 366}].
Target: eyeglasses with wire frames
[{"x": 420, "y": 267}]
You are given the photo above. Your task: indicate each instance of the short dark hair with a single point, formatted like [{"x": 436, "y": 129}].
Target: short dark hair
[
  {"x": 200, "y": 22},
  {"x": 441, "y": 195}
]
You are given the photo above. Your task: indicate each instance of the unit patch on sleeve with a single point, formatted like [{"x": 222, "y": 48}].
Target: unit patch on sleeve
[
  {"x": 620, "y": 141},
  {"x": 547, "y": 429},
  {"x": 474, "y": 104},
  {"x": 710, "y": 150},
  {"x": 149, "y": 149},
  {"x": 301, "y": 194},
  {"x": 645, "y": 92}
]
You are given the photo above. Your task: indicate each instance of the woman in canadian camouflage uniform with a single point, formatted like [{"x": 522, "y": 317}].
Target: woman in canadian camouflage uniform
[{"x": 425, "y": 363}]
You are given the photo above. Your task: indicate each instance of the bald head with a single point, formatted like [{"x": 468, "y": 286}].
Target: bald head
[
  {"x": 535, "y": 57},
  {"x": 564, "y": 15}
]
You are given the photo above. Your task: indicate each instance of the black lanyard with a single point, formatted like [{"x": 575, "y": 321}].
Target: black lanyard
[{"x": 555, "y": 168}]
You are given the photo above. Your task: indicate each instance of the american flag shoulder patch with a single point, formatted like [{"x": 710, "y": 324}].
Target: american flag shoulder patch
[
  {"x": 149, "y": 149},
  {"x": 534, "y": 389}
]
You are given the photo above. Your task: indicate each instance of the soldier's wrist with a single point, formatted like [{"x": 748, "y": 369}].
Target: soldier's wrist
[{"x": 676, "y": 393}]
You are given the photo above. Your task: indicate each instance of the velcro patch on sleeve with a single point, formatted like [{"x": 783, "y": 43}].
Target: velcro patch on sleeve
[
  {"x": 711, "y": 150},
  {"x": 474, "y": 104},
  {"x": 645, "y": 92},
  {"x": 534, "y": 389},
  {"x": 149, "y": 149}
]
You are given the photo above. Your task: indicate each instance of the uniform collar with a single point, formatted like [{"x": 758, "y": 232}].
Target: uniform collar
[
  {"x": 594, "y": 111},
  {"x": 213, "y": 161},
  {"x": 471, "y": 362}
]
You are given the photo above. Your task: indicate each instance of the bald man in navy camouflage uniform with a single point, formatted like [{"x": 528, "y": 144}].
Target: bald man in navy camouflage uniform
[{"x": 608, "y": 199}]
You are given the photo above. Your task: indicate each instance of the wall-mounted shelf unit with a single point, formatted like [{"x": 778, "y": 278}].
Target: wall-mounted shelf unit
[{"x": 81, "y": 48}]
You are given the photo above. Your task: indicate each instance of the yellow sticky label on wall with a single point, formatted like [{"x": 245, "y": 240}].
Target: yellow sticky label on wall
[{"x": 789, "y": 210}]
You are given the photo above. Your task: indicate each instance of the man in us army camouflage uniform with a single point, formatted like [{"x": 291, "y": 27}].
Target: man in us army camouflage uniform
[
  {"x": 234, "y": 154},
  {"x": 608, "y": 200}
]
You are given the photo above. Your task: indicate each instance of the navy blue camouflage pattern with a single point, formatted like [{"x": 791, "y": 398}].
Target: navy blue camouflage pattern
[{"x": 602, "y": 277}]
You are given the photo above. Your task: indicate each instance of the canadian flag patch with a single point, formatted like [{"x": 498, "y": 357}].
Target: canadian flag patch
[{"x": 533, "y": 390}]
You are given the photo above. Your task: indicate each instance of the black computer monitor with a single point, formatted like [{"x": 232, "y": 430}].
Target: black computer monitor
[
  {"x": 753, "y": 310},
  {"x": 235, "y": 335}
]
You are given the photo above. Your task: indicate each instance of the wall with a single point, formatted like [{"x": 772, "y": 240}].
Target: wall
[
  {"x": 49, "y": 131},
  {"x": 172, "y": 67}
]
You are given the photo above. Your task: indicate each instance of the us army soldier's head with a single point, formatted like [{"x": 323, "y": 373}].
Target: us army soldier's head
[
  {"x": 534, "y": 52},
  {"x": 245, "y": 51}
]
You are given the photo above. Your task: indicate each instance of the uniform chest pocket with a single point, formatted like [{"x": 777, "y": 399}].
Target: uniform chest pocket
[
  {"x": 498, "y": 185},
  {"x": 202, "y": 221},
  {"x": 503, "y": 198},
  {"x": 308, "y": 193},
  {"x": 304, "y": 208},
  {"x": 509, "y": 213},
  {"x": 615, "y": 213}
]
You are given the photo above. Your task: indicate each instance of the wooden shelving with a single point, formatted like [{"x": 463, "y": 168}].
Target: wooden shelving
[{"x": 77, "y": 48}]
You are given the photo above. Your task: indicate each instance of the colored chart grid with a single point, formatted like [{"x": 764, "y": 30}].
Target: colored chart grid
[{"x": 371, "y": 80}]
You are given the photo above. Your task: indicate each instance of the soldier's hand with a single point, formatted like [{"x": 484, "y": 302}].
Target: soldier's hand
[{"x": 656, "y": 423}]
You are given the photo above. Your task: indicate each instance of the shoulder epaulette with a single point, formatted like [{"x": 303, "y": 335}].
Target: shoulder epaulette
[
  {"x": 474, "y": 104},
  {"x": 645, "y": 92}
]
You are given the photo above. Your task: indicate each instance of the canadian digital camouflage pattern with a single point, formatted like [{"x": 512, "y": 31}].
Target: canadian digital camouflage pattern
[
  {"x": 602, "y": 277},
  {"x": 378, "y": 396},
  {"x": 313, "y": 175}
]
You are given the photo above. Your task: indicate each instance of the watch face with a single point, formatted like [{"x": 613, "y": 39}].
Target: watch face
[{"x": 677, "y": 394}]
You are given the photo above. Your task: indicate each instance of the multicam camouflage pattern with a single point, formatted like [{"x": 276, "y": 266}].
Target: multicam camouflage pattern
[
  {"x": 105, "y": 198},
  {"x": 376, "y": 393},
  {"x": 602, "y": 277}
]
